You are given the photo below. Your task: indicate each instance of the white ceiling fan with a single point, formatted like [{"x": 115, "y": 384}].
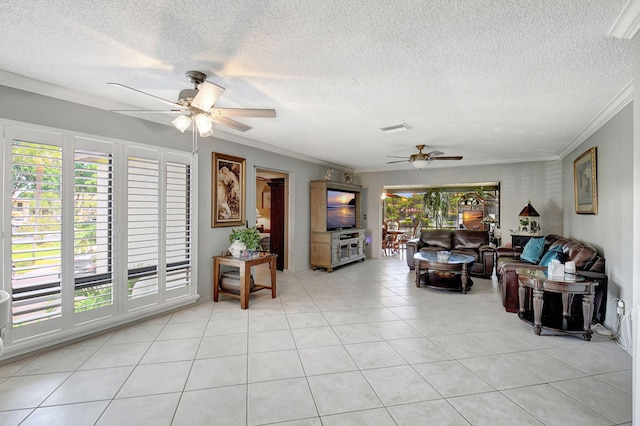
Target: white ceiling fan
[
  {"x": 197, "y": 105},
  {"x": 421, "y": 160}
]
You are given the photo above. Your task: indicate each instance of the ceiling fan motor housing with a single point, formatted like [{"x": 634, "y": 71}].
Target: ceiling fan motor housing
[{"x": 186, "y": 96}]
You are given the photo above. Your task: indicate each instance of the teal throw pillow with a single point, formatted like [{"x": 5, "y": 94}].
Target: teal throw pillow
[
  {"x": 554, "y": 252},
  {"x": 533, "y": 250}
]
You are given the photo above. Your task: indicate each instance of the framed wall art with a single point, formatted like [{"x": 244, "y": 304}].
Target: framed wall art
[
  {"x": 228, "y": 187},
  {"x": 585, "y": 184}
]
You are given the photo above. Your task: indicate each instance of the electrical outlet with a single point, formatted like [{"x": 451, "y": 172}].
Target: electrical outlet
[{"x": 620, "y": 307}]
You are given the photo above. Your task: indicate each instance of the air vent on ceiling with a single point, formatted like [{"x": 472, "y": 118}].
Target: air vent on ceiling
[{"x": 396, "y": 128}]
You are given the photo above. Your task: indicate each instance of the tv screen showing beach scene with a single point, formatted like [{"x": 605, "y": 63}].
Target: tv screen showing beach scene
[{"x": 341, "y": 209}]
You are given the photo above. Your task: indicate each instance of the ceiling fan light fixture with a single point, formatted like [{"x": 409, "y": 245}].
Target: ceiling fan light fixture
[
  {"x": 204, "y": 124},
  {"x": 182, "y": 122},
  {"x": 420, "y": 164}
]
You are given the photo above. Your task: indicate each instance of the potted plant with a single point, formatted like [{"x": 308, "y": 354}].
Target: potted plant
[{"x": 244, "y": 239}]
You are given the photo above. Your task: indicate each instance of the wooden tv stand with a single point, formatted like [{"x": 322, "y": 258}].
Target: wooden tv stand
[
  {"x": 330, "y": 249},
  {"x": 335, "y": 248}
]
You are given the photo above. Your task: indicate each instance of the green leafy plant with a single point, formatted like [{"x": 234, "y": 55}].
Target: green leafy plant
[{"x": 250, "y": 237}]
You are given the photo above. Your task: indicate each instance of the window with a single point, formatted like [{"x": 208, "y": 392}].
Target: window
[
  {"x": 97, "y": 229},
  {"x": 93, "y": 230},
  {"x": 36, "y": 231}
]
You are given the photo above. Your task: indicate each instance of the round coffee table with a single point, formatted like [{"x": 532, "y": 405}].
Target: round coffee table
[{"x": 458, "y": 265}]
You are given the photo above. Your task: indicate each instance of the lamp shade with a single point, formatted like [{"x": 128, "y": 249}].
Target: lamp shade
[
  {"x": 182, "y": 122},
  {"x": 204, "y": 124},
  {"x": 488, "y": 219},
  {"x": 420, "y": 164},
  {"x": 529, "y": 211},
  {"x": 529, "y": 221}
]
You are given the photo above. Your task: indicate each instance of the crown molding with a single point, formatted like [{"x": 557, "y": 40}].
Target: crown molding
[
  {"x": 621, "y": 100},
  {"x": 627, "y": 23},
  {"x": 231, "y": 137}
]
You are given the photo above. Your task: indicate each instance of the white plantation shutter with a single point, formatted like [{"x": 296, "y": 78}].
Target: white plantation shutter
[
  {"x": 178, "y": 229},
  {"x": 93, "y": 230},
  {"x": 143, "y": 222}
]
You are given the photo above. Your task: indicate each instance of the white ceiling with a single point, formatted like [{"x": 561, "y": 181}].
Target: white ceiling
[{"x": 492, "y": 80}]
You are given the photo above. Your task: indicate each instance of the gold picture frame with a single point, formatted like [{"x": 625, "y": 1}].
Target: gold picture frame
[
  {"x": 585, "y": 183},
  {"x": 228, "y": 186}
]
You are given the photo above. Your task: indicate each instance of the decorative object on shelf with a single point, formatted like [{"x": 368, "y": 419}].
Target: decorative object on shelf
[
  {"x": 236, "y": 247},
  {"x": 555, "y": 269},
  {"x": 228, "y": 201},
  {"x": 347, "y": 177},
  {"x": 529, "y": 223},
  {"x": 585, "y": 184},
  {"x": 244, "y": 240},
  {"x": 443, "y": 256},
  {"x": 491, "y": 221},
  {"x": 328, "y": 175},
  {"x": 497, "y": 236}
]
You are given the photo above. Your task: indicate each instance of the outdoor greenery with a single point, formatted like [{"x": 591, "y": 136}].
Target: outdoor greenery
[{"x": 433, "y": 207}]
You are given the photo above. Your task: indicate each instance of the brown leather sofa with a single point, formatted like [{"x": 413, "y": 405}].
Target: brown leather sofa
[
  {"x": 459, "y": 241},
  {"x": 588, "y": 264}
]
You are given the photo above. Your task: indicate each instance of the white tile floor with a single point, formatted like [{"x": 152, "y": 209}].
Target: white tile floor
[{"x": 359, "y": 346}]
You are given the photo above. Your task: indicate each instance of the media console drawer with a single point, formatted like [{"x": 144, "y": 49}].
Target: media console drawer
[{"x": 342, "y": 247}]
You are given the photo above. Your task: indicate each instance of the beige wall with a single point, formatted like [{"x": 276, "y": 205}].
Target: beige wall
[
  {"x": 610, "y": 231},
  {"x": 540, "y": 182}
]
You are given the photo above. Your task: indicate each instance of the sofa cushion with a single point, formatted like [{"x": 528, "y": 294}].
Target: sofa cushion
[
  {"x": 437, "y": 238},
  {"x": 533, "y": 250},
  {"x": 470, "y": 240},
  {"x": 554, "y": 252}
]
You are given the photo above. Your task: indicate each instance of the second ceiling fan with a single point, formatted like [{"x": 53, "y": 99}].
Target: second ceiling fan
[
  {"x": 197, "y": 105},
  {"x": 421, "y": 159}
]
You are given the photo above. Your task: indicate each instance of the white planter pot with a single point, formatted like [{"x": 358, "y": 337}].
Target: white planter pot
[{"x": 235, "y": 248}]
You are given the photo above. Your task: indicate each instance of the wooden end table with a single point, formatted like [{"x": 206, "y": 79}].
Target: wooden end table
[
  {"x": 244, "y": 265},
  {"x": 567, "y": 285},
  {"x": 458, "y": 264}
]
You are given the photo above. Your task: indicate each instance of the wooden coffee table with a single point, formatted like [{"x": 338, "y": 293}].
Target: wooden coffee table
[
  {"x": 567, "y": 285},
  {"x": 458, "y": 265}
]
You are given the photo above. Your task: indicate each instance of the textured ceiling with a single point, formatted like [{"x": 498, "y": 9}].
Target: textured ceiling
[{"x": 492, "y": 80}]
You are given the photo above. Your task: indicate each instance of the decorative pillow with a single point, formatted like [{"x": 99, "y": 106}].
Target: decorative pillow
[
  {"x": 533, "y": 250},
  {"x": 554, "y": 252}
]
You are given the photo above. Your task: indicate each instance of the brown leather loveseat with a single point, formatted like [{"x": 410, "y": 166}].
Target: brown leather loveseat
[
  {"x": 459, "y": 241},
  {"x": 588, "y": 264}
]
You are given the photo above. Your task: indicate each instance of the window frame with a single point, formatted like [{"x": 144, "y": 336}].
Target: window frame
[{"x": 73, "y": 324}]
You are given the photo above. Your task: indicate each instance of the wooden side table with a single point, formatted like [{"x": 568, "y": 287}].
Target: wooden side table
[
  {"x": 521, "y": 240},
  {"x": 567, "y": 286},
  {"x": 244, "y": 265}
]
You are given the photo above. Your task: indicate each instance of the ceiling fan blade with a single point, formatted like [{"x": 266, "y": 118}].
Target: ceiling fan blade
[
  {"x": 151, "y": 111},
  {"x": 173, "y": 104},
  {"x": 452, "y": 157},
  {"x": 233, "y": 124},
  {"x": 397, "y": 156},
  {"x": 208, "y": 94},
  {"x": 435, "y": 153},
  {"x": 399, "y": 161},
  {"x": 246, "y": 112}
]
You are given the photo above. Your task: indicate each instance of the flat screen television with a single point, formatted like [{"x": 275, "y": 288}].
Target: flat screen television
[{"x": 341, "y": 210}]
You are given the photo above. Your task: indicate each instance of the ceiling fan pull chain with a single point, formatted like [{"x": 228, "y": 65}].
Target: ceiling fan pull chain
[{"x": 194, "y": 139}]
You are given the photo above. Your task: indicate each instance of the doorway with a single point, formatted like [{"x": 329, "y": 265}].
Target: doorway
[{"x": 272, "y": 213}]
